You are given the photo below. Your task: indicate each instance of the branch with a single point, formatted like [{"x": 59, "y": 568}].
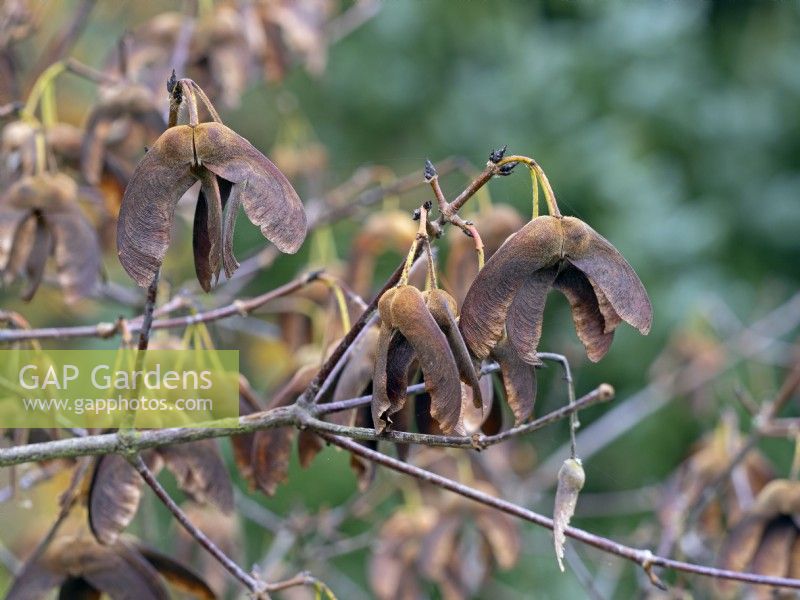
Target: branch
[
  {"x": 644, "y": 558},
  {"x": 296, "y": 415},
  {"x": 752, "y": 341},
  {"x": 105, "y": 330},
  {"x": 250, "y": 582}
]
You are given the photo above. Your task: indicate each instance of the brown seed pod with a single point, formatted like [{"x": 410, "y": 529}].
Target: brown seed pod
[
  {"x": 127, "y": 103},
  {"x": 40, "y": 217},
  {"x": 403, "y": 309},
  {"x": 272, "y": 448},
  {"x": 519, "y": 381},
  {"x": 82, "y": 568},
  {"x": 231, "y": 172},
  {"x": 566, "y": 253},
  {"x": 766, "y": 538},
  {"x": 495, "y": 225},
  {"x": 114, "y": 494},
  {"x": 444, "y": 310},
  {"x": 115, "y": 490}
]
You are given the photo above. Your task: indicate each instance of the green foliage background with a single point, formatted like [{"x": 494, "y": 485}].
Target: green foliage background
[{"x": 673, "y": 128}]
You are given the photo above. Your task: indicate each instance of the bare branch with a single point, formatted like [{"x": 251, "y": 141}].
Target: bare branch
[{"x": 644, "y": 558}]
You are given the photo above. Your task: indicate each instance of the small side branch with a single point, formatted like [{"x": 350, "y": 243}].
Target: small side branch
[{"x": 644, "y": 558}]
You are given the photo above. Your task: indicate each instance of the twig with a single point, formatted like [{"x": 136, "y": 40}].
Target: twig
[
  {"x": 66, "y": 501},
  {"x": 147, "y": 320},
  {"x": 250, "y": 582},
  {"x": 603, "y": 393},
  {"x": 751, "y": 342},
  {"x": 644, "y": 558},
  {"x": 104, "y": 330},
  {"x": 296, "y": 415},
  {"x": 60, "y": 45}
]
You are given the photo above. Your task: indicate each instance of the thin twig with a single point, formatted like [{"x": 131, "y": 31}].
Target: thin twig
[
  {"x": 105, "y": 330},
  {"x": 296, "y": 415},
  {"x": 149, "y": 307},
  {"x": 644, "y": 558},
  {"x": 250, "y": 582}
]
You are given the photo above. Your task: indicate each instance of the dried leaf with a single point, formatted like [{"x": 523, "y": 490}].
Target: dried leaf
[
  {"x": 570, "y": 482},
  {"x": 114, "y": 494}
]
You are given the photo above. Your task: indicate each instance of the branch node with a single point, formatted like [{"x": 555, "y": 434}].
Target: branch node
[{"x": 647, "y": 566}]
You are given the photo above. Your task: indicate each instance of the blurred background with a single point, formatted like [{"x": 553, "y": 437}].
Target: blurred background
[{"x": 673, "y": 128}]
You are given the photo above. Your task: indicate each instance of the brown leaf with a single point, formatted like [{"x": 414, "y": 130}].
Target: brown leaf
[
  {"x": 114, "y": 494},
  {"x": 269, "y": 200},
  {"x": 200, "y": 472},
  {"x": 408, "y": 314},
  {"x": 519, "y": 381},
  {"x": 586, "y": 314},
  {"x": 608, "y": 270},
  {"x": 483, "y": 314},
  {"x": 570, "y": 482}
]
